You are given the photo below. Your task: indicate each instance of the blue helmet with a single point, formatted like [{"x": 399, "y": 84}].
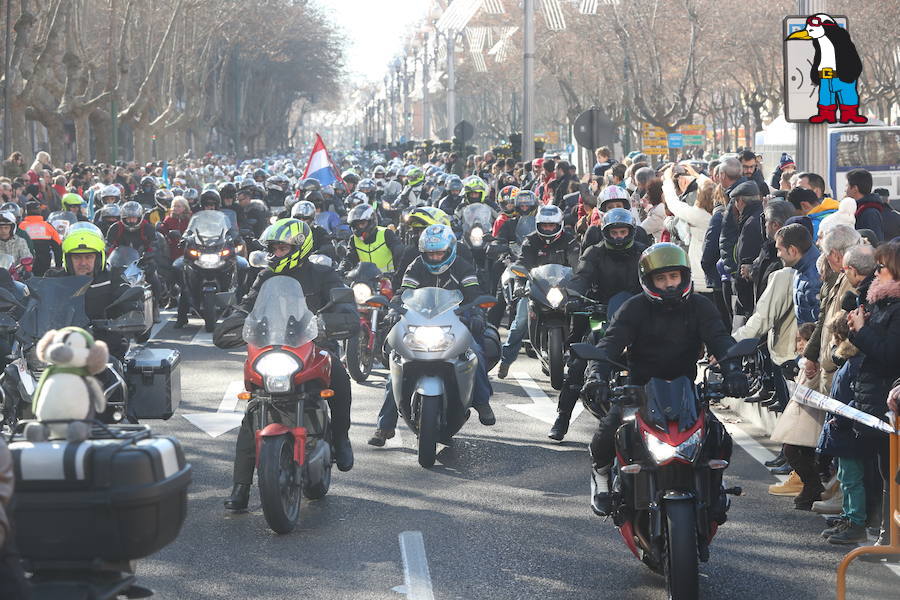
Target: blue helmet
[
  {"x": 438, "y": 238},
  {"x": 618, "y": 218}
]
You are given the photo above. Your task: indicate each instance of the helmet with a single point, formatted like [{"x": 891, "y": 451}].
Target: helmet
[
  {"x": 551, "y": 218},
  {"x": 148, "y": 183},
  {"x": 660, "y": 258},
  {"x": 191, "y": 195},
  {"x": 359, "y": 214},
  {"x": 474, "y": 184},
  {"x": 613, "y": 192},
  {"x": 303, "y": 210},
  {"x": 226, "y": 190},
  {"x": 311, "y": 185},
  {"x": 366, "y": 186},
  {"x": 132, "y": 215},
  {"x": 211, "y": 198},
  {"x": 111, "y": 191},
  {"x": 110, "y": 213},
  {"x": 618, "y": 218},
  {"x": 425, "y": 216},
  {"x": 164, "y": 198},
  {"x": 454, "y": 184},
  {"x": 526, "y": 203},
  {"x": 14, "y": 208},
  {"x": 84, "y": 241},
  {"x": 379, "y": 172},
  {"x": 260, "y": 175},
  {"x": 414, "y": 176},
  {"x": 72, "y": 199},
  {"x": 279, "y": 183},
  {"x": 177, "y": 191},
  {"x": 7, "y": 218},
  {"x": 356, "y": 198},
  {"x": 350, "y": 177},
  {"x": 508, "y": 199},
  {"x": 438, "y": 238},
  {"x": 296, "y": 234}
]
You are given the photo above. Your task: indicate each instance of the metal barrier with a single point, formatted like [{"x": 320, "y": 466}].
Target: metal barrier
[{"x": 894, "y": 499}]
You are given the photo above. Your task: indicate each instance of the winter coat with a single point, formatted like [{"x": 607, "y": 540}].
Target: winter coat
[
  {"x": 879, "y": 341},
  {"x": 869, "y": 211},
  {"x": 710, "y": 254},
  {"x": 799, "y": 425},
  {"x": 765, "y": 264},
  {"x": 173, "y": 223},
  {"x": 807, "y": 283},
  {"x": 774, "y": 316},
  {"x": 838, "y": 437},
  {"x": 698, "y": 221},
  {"x": 830, "y": 307},
  {"x": 828, "y": 206},
  {"x": 655, "y": 221},
  {"x": 603, "y": 272},
  {"x": 760, "y": 181},
  {"x": 730, "y": 230}
]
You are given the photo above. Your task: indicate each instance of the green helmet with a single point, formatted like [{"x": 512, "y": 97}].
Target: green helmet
[
  {"x": 293, "y": 232},
  {"x": 660, "y": 258},
  {"x": 71, "y": 199},
  {"x": 474, "y": 184},
  {"x": 415, "y": 176},
  {"x": 84, "y": 241}
]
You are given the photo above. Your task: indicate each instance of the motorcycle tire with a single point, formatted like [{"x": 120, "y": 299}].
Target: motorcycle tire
[
  {"x": 429, "y": 426},
  {"x": 359, "y": 357},
  {"x": 555, "y": 349},
  {"x": 209, "y": 312},
  {"x": 681, "y": 563},
  {"x": 279, "y": 486}
]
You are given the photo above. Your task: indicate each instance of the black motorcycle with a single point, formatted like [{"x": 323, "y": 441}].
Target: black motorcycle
[
  {"x": 210, "y": 265},
  {"x": 126, "y": 261}
]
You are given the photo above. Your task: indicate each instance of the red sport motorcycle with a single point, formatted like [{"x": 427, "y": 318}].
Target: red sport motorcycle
[
  {"x": 287, "y": 376},
  {"x": 667, "y": 494},
  {"x": 372, "y": 291}
]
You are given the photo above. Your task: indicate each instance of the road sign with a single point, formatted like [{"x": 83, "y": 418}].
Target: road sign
[
  {"x": 570, "y": 148},
  {"x": 552, "y": 138},
  {"x": 676, "y": 140},
  {"x": 801, "y": 95},
  {"x": 693, "y": 135},
  {"x": 463, "y": 131},
  {"x": 653, "y": 139},
  {"x": 593, "y": 129}
]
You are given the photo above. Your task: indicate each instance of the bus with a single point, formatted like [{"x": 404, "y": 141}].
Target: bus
[{"x": 875, "y": 148}]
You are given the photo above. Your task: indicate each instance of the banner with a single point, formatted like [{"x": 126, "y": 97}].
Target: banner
[{"x": 808, "y": 397}]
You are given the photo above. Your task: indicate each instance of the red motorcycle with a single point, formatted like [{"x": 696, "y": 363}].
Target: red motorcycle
[
  {"x": 287, "y": 377},
  {"x": 667, "y": 495},
  {"x": 372, "y": 291}
]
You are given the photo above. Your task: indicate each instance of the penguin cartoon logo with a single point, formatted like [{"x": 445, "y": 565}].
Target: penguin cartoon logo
[{"x": 836, "y": 67}]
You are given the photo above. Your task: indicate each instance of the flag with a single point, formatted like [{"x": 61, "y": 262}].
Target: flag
[{"x": 321, "y": 167}]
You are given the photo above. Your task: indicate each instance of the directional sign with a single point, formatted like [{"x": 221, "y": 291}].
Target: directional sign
[
  {"x": 676, "y": 140},
  {"x": 653, "y": 139},
  {"x": 693, "y": 135},
  {"x": 800, "y": 94},
  {"x": 463, "y": 131},
  {"x": 593, "y": 129}
]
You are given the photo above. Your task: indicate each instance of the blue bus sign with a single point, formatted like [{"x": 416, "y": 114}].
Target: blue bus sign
[{"x": 675, "y": 140}]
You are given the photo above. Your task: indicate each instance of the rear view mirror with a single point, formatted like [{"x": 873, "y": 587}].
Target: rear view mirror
[
  {"x": 259, "y": 259},
  {"x": 586, "y": 351},
  {"x": 342, "y": 296},
  {"x": 742, "y": 348},
  {"x": 174, "y": 235}
]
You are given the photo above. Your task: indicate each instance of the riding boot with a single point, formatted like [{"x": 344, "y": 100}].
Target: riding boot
[
  {"x": 560, "y": 427},
  {"x": 240, "y": 497},
  {"x": 601, "y": 499}
]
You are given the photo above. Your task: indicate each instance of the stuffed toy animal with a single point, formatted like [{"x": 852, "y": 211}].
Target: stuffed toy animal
[{"x": 66, "y": 391}]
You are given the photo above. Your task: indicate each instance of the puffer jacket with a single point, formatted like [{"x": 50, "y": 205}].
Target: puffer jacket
[
  {"x": 807, "y": 284},
  {"x": 879, "y": 341}
]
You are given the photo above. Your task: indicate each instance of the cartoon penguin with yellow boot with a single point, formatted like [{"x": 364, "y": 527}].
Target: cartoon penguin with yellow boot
[
  {"x": 67, "y": 395},
  {"x": 835, "y": 69}
]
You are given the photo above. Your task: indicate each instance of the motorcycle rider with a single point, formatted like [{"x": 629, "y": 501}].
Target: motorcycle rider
[
  {"x": 414, "y": 193},
  {"x": 134, "y": 230},
  {"x": 289, "y": 243},
  {"x": 146, "y": 193},
  {"x": 44, "y": 238},
  {"x": 322, "y": 241},
  {"x": 252, "y": 214},
  {"x": 439, "y": 265},
  {"x": 370, "y": 243},
  {"x": 606, "y": 270},
  {"x": 453, "y": 196},
  {"x": 549, "y": 244},
  {"x": 417, "y": 221},
  {"x": 10, "y": 243},
  {"x": 74, "y": 204},
  {"x": 667, "y": 309},
  {"x": 106, "y": 216}
]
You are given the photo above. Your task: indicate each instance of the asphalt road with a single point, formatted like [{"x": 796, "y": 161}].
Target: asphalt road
[{"x": 503, "y": 515}]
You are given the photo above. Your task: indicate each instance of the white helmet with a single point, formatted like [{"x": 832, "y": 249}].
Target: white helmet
[
  {"x": 110, "y": 191},
  {"x": 551, "y": 217}
]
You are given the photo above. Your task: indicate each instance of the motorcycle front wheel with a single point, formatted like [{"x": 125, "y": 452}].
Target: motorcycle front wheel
[
  {"x": 555, "y": 349},
  {"x": 359, "y": 357},
  {"x": 681, "y": 561},
  {"x": 209, "y": 311},
  {"x": 279, "y": 486},
  {"x": 429, "y": 424}
]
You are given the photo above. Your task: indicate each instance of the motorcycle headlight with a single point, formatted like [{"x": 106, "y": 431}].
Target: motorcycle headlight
[
  {"x": 476, "y": 236},
  {"x": 555, "y": 297},
  {"x": 429, "y": 338},
  {"x": 210, "y": 260},
  {"x": 361, "y": 292},
  {"x": 663, "y": 453},
  {"x": 277, "y": 370}
]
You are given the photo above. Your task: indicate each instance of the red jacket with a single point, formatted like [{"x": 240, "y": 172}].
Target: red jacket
[{"x": 173, "y": 223}]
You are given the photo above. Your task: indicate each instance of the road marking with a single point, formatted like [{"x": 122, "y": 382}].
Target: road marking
[
  {"x": 757, "y": 451},
  {"x": 416, "y": 577},
  {"x": 542, "y": 407},
  {"x": 227, "y": 417},
  {"x": 202, "y": 338},
  {"x": 164, "y": 316}
]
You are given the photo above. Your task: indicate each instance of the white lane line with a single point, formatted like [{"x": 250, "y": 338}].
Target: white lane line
[
  {"x": 542, "y": 407},
  {"x": 415, "y": 566},
  {"x": 164, "y": 317},
  {"x": 202, "y": 338},
  {"x": 757, "y": 451},
  {"x": 228, "y": 416}
]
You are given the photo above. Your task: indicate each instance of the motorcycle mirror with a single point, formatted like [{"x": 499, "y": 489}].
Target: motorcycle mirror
[
  {"x": 519, "y": 270},
  {"x": 342, "y": 296},
  {"x": 586, "y": 351},
  {"x": 259, "y": 259},
  {"x": 742, "y": 348},
  {"x": 174, "y": 235}
]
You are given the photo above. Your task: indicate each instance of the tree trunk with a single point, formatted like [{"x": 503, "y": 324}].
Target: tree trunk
[
  {"x": 102, "y": 129},
  {"x": 56, "y": 137},
  {"x": 82, "y": 137},
  {"x": 19, "y": 131}
]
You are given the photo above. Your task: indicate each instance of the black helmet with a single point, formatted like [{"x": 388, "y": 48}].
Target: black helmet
[
  {"x": 363, "y": 221},
  {"x": 227, "y": 190},
  {"x": 211, "y": 198},
  {"x": 316, "y": 198},
  {"x": 661, "y": 258},
  {"x": 132, "y": 215},
  {"x": 260, "y": 175},
  {"x": 311, "y": 185},
  {"x": 618, "y": 218},
  {"x": 350, "y": 177},
  {"x": 148, "y": 183}
]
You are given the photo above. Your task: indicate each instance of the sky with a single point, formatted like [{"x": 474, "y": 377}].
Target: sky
[{"x": 375, "y": 30}]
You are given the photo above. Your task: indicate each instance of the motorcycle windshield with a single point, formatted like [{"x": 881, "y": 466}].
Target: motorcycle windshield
[
  {"x": 208, "y": 225},
  {"x": 61, "y": 215},
  {"x": 548, "y": 276},
  {"x": 364, "y": 272},
  {"x": 477, "y": 214},
  {"x": 524, "y": 227},
  {"x": 54, "y": 303},
  {"x": 280, "y": 316},
  {"x": 668, "y": 401},
  {"x": 432, "y": 302},
  {"x": 123, "y": 257}
]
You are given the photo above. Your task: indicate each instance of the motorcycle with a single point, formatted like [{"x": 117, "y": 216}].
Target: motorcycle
[
  {"x": 210, "y": 265},
  {"x": 547, "y": 321},
  {"x": 433, "y": 365},
  {"x": 287, "y": 377},
  {"x": 128, "y": 263},
  {"x": 667, "y": 492},
  {"x": 372, "y": 291},
  {"x": 476, "y": 220}
]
